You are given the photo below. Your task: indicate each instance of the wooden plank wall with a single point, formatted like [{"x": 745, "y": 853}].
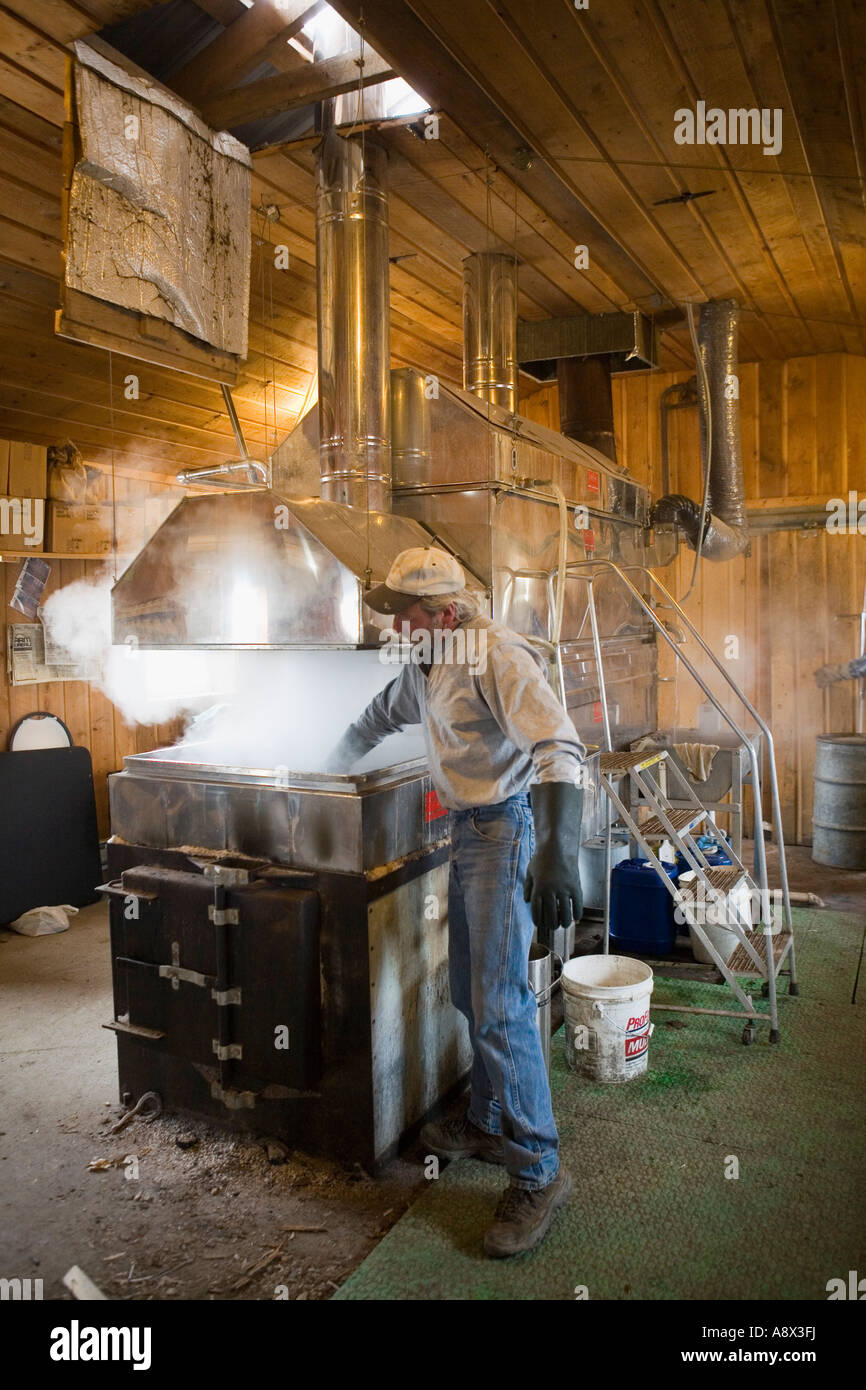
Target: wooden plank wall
[
  {"x": 92, "y": 719},
  {"x": 803, "y": 426}
]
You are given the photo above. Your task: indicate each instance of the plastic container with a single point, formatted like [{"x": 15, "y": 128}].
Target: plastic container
[
  {"x": 607, "y": 1022},
  {"x": 642, "y": 909},
  {"x": 715, "y": 918},
  {"x": 591, "y": 865},
  {"x": 713, "y": 853}
]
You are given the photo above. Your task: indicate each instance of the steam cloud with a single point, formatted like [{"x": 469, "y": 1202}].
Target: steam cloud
[{"x": 256, "y": 709}]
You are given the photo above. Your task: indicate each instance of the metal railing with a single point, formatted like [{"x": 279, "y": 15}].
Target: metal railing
[{"x": 595, "y": 565}]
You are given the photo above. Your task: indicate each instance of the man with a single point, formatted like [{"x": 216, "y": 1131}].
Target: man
[{"x": 492, "y": 729}]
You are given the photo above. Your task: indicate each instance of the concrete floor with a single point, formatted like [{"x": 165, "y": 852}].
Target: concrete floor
[
  {"x": 841, "y": 889},
  {"x": 193, "y": 1223}
]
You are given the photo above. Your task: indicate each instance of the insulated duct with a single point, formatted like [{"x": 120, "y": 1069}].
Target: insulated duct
[
  {"x": 354, "y": 347},
  {"x": 725, "y": 530},
  {"x": 490, "y": 327}
]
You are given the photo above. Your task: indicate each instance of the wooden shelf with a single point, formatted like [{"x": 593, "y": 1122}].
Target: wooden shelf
[{"x": 8, "y": 559}]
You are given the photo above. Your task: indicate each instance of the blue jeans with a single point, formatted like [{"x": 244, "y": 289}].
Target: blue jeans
[{"x": 490, "y": 931}]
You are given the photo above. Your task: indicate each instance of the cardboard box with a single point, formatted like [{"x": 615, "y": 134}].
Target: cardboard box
[
  {"x": 23, "y": 523},
  {"x": 129, "y": 519},
  {"x": 4, "y": 467},
  {"x": 28, "y": 470},
  {"x": 77, "y": 528}
]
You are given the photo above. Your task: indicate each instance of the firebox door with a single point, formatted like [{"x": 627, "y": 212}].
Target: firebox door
[{"x": 232, "y": 989}]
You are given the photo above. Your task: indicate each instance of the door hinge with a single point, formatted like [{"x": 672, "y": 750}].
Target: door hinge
[
  {"x": 233, "y": 1100},
  {"x": 223, "y": 916},
  {"x": 226, "y": 996}
]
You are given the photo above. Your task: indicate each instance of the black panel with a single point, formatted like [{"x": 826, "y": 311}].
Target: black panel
[{"x": 49, "y": 846}]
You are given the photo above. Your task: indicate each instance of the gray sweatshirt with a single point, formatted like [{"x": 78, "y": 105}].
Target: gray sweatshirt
[{"x": 491, "y": 726}]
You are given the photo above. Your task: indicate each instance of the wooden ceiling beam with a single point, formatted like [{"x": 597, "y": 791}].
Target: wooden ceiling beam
[
  {"x": 446, "y": 179},
  {"x": 237, "y": 51},
  {"x": 223, "y": 11},
  {"x": 66, "y": 20},
  {"x": 27, "y": 90},
  {"x": 697, "y": 69},
  {"x": 288, "y": 91},
  {"x": 28, "y": 48},
  {"x": 27, "y": 126},
  {"x": 812, "y": 62},
  {"x": 705, "y": 261},
  {"x": 446, "y": 82},
  {"x": 104, "y": 12}
]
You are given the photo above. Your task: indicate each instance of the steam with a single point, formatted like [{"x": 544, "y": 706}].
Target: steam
[
  {"x": 256, "y": 709},
  {"x": 288, "y": 709}
]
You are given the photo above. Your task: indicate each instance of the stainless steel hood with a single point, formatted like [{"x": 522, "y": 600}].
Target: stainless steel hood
[
  {"x": 267, "y": 569},
  {"x": 258, "y": 570}
]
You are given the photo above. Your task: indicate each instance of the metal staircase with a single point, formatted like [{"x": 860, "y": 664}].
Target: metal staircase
[{"x": 765, "y": 949}]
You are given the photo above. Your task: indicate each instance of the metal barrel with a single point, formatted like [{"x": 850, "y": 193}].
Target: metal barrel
[
  {"x": 542, "y": 984},
  {"x": 839, "y": 814}
]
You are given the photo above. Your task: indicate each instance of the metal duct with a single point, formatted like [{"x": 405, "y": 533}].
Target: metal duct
[
  {"x": 717, "y": 336},
  {"x": 726, "y": 530},
  {"x": 490, "y": 327},
  {"x": 354, "y": 348},
  {"x": 629, "y": 339},
  {"x": 410, "y": 428},
  {"x": 586, "y": 402}
]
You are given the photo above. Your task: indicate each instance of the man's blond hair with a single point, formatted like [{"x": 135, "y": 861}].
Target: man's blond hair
[{"x": 466, "y": 604}]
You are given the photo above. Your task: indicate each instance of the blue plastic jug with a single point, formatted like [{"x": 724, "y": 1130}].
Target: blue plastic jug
[{"x": 642, "y": 909}]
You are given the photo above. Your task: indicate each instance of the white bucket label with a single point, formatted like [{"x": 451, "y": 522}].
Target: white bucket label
[
  {"x": 636, "y": 1042},
  {"x": 636, "y": 1047}
]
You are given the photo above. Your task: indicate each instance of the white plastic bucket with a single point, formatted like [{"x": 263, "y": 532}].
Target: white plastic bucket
[
  {"x": 607, "y": 1023},
  {"x": 715, "y": 918}
]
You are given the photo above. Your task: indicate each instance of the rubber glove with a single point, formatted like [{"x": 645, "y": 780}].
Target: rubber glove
[{"x": 552, "y": 878}]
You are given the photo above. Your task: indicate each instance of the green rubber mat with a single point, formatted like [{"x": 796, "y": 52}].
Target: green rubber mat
[{"x": 653, "y": 1214}]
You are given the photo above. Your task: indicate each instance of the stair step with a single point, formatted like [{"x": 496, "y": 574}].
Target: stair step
[
  {"x": 631, "y": 762},
  {"x": 741, "y": 962},
  {"x": 724, "y": 880},
  {"x": 653, "y": 829}
]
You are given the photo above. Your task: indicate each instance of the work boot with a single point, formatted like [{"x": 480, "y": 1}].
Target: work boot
[
  {"x": 522, "y": 1217},
  {"x": 460, "y": 1138}
]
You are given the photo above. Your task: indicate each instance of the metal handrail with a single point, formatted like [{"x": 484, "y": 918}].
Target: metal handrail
[
  {"x": 762, "y": 725},
  {"x": 741, "y": 734}
]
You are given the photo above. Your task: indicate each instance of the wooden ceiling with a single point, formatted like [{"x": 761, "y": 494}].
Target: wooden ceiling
[{"x": 556, "y": 130}]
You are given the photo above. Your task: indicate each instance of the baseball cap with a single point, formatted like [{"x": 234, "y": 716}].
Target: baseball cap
[{"x": 422, "y": 572}]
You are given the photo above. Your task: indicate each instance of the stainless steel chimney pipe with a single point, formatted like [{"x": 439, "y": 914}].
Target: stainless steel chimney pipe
[
  {"x": 354, "y": 347},
  {"x": 490, "y": 327}
]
